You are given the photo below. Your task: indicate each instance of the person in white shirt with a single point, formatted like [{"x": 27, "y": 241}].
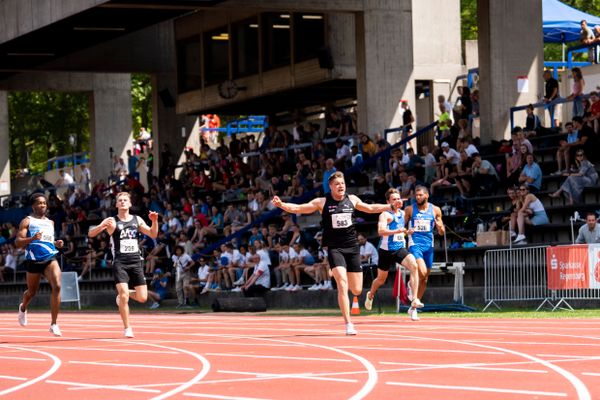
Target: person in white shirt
[
  {"x": 452, "y": 155},
  {"x": 182, "y": 263},
  {"x": 342, "y": 155},
  {"x": 301, "y": 263},
  {"x": 368, "y": 252},
  {"x": 283, "y": 272},
  {"x": 430, "y": 165},
  {"x": 260, "y": 281},
  {"x": 65, "y": 179}
]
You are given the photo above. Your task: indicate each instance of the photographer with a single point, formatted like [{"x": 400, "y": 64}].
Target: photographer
[{"x": 158, "y": 287}]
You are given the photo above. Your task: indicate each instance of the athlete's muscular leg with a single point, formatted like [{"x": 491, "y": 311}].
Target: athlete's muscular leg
[
  {"x": 378, "y": 282},
  {"x": 423, "y": 276},
  {"x": 52, "y": 274},
  {"x": 411, "y": 265},
  {"x": 341, "y": 279}
]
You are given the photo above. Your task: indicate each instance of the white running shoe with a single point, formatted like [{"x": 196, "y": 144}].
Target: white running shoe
[
  {"x": 413, "y": 313},
  {"x": 128, "y": 333},
  {"x": 297, "y": 287},
  {"x": 520, "y": 238},
  {"x": 154, "y": 305},
  {"x": 416, "y": 303},
  {"x": 368, "y": 302},
  {"x": 236, "y": 289},
  {"x": 55, "y": 330},
  {"x": 239, "y": 282},
  {"x": 350, "y": 331},
  {"x": 314, "y": 287},
  {"x": 22, "y": 316}
]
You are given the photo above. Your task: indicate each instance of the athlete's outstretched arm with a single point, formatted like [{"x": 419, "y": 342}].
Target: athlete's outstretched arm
[
  {"x": 369, "y": 208},
  {"x": 306, "y": 208},
  {"x": 108, "y": 224},
  {"x": 151, "y": 231}
]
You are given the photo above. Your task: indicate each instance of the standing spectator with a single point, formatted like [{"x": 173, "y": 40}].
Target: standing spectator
[
  {"x": 531, "y": 174},
  {"x": 590, "y": 232},
  {"x": 577, "y": 92},
  {"x": 85, "y": 180},
  {"x": 550, "y": 94},
  {"x": 330, "y": 170},
  {"x": 182, "y": 263},
  {"x": 577, "y": 181},
  {"x": 442, "y": 102},
  {"x": 132, "y": 165},
  {"x": 407, "y": 118},
  {"x": 342, "y": 155}
]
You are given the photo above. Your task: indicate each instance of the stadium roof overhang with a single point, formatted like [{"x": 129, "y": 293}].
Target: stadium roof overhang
[{"x": 103, "y": 23}]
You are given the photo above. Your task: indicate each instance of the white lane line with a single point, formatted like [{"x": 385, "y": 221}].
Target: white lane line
[
  {"x": 412, "y": 350},
  {"x": 307, "y": 375},
  {"x": 130, "y": 365},
  {"x": 588, "y": 357},
  {"x": 591, "y": 373},
  {"x": 55, "y": 366},
  {"x": 582, "y": 391},
  {"x": 476, "y": 366},
  {"x": 215, "y": 396},
  {"x": 80, "y": 385},
  {"x": 555, "y": 344},
  {"x": 12, "y": 378},
  {"x": 120, "y": 350},
  {"x": 478, "y": 389},
  {"x": 23, "y": 358},
  {"x": 279, "y": 357}
]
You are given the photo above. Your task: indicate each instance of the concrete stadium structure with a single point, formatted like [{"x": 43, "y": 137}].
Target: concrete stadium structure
[{"x": 374, "y": 51}]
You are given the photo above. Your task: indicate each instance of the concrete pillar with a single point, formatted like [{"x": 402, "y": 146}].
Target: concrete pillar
[
  {"x": 510, "y": 45},
  {"x": 384, "y": 62},
  {"x": 4, "y": 138},
  {"x": 110, "y": 120}
]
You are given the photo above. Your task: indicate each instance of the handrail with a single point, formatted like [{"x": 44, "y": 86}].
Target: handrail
[
  {"x": 580, "y": 49},
  {"x": 560, "y": 100},
  {"x": 251, "y": 124}
]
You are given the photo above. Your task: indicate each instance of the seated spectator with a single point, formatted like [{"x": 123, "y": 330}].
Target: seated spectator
[
  {"x": 380, "y": 187},
  {"x": 532, "y": 212},
  {"x": 464, "y": 174},
  {"x": 509, "y": 218},
  {"x": 577, "y": 181},
  {"x": 64, "y": 179},
  {"x": 201, "y": 283},
  {"x": 586, "y": 139},
  {"x": 563, "y": 154},
  {"x": 452, "y": 155},
  {"x": 531, "y": 174},
  {"x": 158, "y": 252},
  {"x": 283, "y": 274},
  {"x": 260, "y": 281},
  {"x": 368, "y": 147},
  {"x": 485, "y": 177},
  {"x": 532, "y": 122},
  {"x": 368, "y": 252},
  {"x": 301, "y": 262},
  {"x": 9, "y": 261},
  {"x": 445, "y": 175},
  {"x": 519, "y": 137},
  {"x": 158, "y": 288},
  {"x": 590, "y": 232},
  {"x": 430, "y": 165}
]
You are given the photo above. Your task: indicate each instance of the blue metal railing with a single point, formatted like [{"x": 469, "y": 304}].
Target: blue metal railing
[
  {"x": 251, "y": 124},
  {"x": 542, "y": 105},
  {"x": 68, "y": 160}
]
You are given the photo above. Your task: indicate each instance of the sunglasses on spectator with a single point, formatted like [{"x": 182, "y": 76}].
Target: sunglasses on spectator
[{"x": 579, "y": 154}]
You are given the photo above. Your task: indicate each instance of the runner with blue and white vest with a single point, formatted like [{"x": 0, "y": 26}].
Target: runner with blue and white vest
[
  {"x": 421, "y": 219},
  {"x": 392, "y": 249},
  {"x": 36, "y": 235}
]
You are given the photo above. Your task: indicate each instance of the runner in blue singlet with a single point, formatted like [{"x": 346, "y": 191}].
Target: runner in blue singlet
[
  {"x": 36, "y": 234},
  {"x": 421, "y": 220}
]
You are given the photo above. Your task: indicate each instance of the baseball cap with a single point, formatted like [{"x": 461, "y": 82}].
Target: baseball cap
[
  {"x": 445, "y": 144},
  {"x": 158, "y": 271}
]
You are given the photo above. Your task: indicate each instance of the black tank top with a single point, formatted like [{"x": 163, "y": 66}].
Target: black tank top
[
  {"x": 338, "y": 223},
  {"x": 124, "y": 241}
]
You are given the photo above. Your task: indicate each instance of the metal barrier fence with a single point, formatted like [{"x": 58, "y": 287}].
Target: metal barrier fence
[{"x": 519, "y": 274}]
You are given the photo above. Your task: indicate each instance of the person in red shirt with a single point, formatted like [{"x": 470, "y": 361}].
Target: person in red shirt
[{"x": 595, "y": 111}]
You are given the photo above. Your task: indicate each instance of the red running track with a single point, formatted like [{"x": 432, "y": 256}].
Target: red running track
[{"x": 240, "y": 356}]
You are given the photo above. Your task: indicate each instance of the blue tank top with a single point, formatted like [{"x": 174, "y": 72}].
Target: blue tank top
[
  {"x": 422, "y": 222},
  {"x": 43, "y": 249},
  {"x": 393, "y": 242}
]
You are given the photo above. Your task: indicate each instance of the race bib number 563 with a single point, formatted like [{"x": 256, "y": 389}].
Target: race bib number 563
[{"x": 339, "y": 221}]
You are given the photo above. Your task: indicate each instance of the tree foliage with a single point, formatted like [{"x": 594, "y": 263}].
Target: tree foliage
[
  {"x": 141, "y": 101},
  {"x": 40, "y": 124}
]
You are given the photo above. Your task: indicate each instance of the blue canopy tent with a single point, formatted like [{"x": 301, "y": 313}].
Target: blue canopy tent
[{"x": 561, "y": 23}]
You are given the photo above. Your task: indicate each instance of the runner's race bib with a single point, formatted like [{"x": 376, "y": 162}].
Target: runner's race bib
[
  {"x": 399, "y": 237},
  {"x": 339, "y": 221},
  {"x": 422, "y": 225},
  {"x": 129, "y": 246}
]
